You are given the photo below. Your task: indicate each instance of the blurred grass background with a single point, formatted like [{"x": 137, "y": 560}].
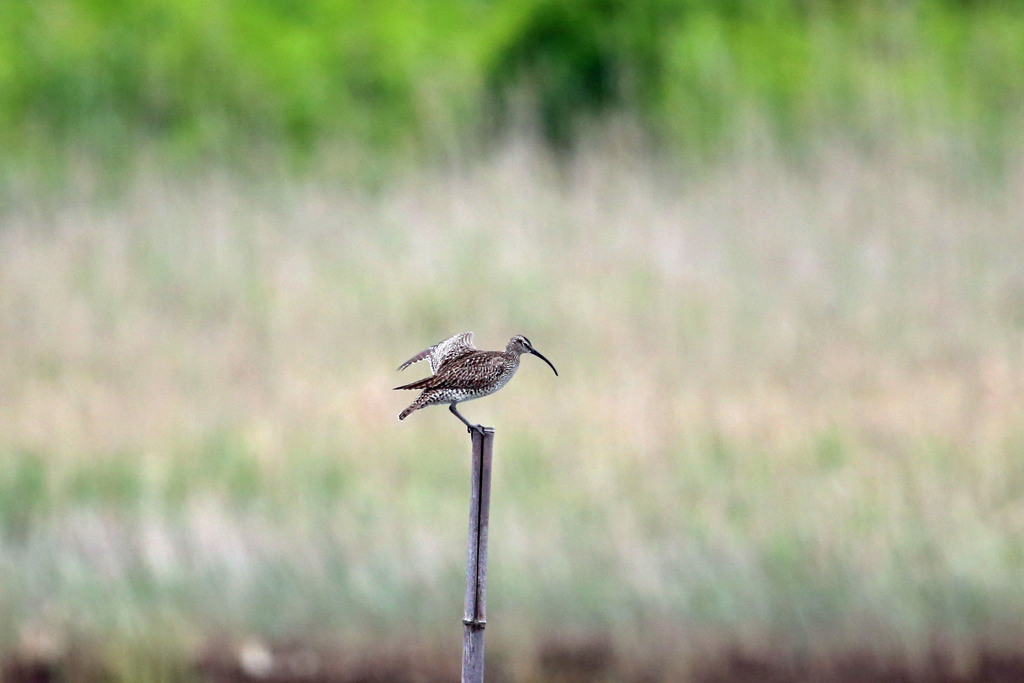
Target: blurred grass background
[{"x": 774, "y": 248}]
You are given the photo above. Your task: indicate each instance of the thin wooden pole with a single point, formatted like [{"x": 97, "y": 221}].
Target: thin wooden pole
[{"x": 475, "y": 614}]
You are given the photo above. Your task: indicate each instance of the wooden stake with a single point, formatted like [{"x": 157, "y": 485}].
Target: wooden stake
[{"x": 475, "y": 614}]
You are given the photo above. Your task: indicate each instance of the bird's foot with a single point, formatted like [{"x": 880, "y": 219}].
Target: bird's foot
[{"x": 480, "y": 429}]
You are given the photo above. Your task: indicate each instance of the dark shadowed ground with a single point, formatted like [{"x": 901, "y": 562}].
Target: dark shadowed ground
[{"x": 585, "y": 660}]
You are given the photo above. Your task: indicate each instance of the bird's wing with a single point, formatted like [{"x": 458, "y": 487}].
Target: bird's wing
[
  {"x": 443, "y": 352},
  {"x": 475, "y": 370},
  {"x": 452, "y": 349},
  {"x": 418, "y": 384}
]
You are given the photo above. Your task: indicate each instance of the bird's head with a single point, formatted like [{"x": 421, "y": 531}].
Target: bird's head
[{"x": 520, "y": 345}]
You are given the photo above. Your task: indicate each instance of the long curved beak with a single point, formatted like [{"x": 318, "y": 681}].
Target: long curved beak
[{"x": 538, "y": 354}]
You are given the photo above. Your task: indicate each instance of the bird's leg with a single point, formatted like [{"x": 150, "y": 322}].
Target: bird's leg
[{"x": 469, "y": 427}]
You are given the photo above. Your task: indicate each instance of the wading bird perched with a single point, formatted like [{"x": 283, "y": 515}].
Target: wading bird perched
[{"x": 462, "y": 372}]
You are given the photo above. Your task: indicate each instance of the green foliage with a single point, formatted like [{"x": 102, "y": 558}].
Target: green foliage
[
  {"x": 229, "y": 76},
  {"x": 24, "y": 494}
]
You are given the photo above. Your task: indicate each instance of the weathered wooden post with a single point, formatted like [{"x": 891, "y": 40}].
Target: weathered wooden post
[{"x": 475, "y": 615}]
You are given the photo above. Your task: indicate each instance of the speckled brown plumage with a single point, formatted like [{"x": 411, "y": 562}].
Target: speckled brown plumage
[
  {"x": 442, "y": 352},
  {"x": 463, "y": 373}
]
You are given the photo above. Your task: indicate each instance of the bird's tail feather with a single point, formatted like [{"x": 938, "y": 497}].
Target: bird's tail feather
[{"x": 416, "y": 405}]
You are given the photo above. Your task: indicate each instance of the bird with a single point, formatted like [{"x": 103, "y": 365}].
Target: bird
[{"x": 461, "y": 372}]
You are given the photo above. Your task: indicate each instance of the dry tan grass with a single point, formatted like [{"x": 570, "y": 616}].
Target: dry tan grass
[{"x": 790, "y": 396}]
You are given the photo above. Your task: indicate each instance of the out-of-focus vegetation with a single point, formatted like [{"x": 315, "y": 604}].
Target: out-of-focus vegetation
[
  {"x": 217, "y": 78},
  {"x": 788, "y": 417}
]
